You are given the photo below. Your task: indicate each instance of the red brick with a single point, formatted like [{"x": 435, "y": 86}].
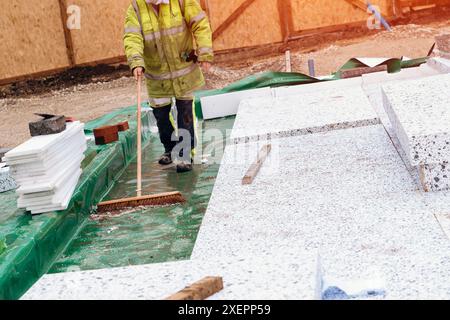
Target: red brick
[
  {"x": 123, "y": 126},
  {"x": 107, "y": 138},
  {"x": 107, "y": 130}
]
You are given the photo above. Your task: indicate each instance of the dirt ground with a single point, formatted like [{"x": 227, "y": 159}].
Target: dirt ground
[{"x": 87, "y": 98}]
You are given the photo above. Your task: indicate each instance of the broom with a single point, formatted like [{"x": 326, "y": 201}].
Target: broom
[{"x": 140, "y": 200}]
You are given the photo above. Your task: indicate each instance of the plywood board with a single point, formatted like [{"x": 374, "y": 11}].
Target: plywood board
[
  {"x": 101, "y": 33},
  {"x": 258, "y": 24},
  {"x": 309, "y": 14},
  {"x": 31, "y": 37}
]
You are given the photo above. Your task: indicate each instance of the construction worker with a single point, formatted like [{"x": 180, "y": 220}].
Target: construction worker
[{"x": 167, "y": 41}]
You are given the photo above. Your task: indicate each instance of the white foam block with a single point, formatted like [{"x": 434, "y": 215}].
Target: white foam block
[
  {"x": 57, "y": 203},
  {"x": 260, "y": 119},
  {"x": 57, "y": 179},
  {"x": 227, "y": 104},
  {"x": 420, "y": 115},
  {"x": 40, "y": 144}
]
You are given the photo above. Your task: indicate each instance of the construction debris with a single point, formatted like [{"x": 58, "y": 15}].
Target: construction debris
[
  {"x": 47, "y": 169},
  {"x": 51, "y": 124},
  {"x": 200, "y": 290}
]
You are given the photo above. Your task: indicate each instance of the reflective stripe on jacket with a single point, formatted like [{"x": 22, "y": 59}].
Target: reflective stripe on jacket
[{"x": 160, "y": 44}]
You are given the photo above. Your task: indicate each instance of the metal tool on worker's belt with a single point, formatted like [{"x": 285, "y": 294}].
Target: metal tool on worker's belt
[
  {"x": 50, "y": 124},
  {"x": 191, "y": 56}
]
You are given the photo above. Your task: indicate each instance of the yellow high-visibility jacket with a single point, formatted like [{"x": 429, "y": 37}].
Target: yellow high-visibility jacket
[{"x": 160, "y": 44}]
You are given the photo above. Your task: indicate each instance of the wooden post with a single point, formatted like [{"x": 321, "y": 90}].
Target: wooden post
[
  {"x": 288, "y": 61},
  {"x": 67, "y": 33},
  {"x": 312, "y": 68}
]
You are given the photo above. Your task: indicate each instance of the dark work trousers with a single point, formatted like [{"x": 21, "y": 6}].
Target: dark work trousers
[{"x": 185, "y": 120}]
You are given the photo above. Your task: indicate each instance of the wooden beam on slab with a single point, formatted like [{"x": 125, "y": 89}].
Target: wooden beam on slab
[
  {"x": 200, "y": 290},
  {"x": 256, "y": 166},
  {"x": 236, "y": 13},
  {"x": 67, "y": 34}
]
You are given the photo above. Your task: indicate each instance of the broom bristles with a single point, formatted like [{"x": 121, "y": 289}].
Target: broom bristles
[{"x": 152, "y": 200}]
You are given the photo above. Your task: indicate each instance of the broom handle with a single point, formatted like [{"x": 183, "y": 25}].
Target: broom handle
[{"x": 139, "y": 140}]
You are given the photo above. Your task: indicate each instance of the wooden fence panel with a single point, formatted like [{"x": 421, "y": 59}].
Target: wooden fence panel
[
  {"x": 31, "y": 38},
  {"x": 257, "y": 25}
]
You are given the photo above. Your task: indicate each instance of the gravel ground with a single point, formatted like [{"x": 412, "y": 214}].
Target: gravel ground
[{"x": 88, "y": 101}]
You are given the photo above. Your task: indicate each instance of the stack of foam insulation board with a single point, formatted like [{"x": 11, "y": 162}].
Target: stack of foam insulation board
[
  {"x": 47, "y": 169},
  {"x": 419, "y": 111}
]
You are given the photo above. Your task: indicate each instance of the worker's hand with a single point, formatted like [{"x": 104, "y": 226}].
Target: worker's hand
[
  {"x": 206, "y": 66},
  {"x": 138, "y": 72}
]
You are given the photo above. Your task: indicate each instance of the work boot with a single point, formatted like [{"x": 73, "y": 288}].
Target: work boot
[
  {"x": 184, "y": 167},
  {"x": 165, "y": 159}
]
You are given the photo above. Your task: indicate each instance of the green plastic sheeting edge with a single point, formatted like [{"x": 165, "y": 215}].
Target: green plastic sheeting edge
[
  {"x": 29, "y": 245},
  {"x": 279, "y": 79}
]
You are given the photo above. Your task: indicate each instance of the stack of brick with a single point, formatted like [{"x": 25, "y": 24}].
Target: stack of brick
[
  {"x": 419, "y": 111},
  {"x": 108, "y": 134}
]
